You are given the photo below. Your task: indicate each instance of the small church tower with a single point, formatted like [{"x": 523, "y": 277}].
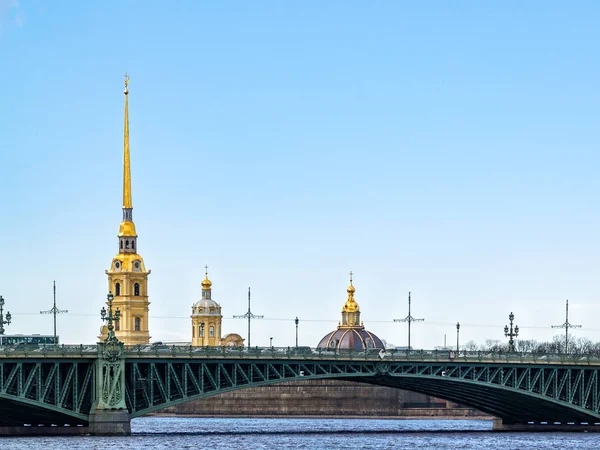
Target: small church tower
[{"x": 206, "y": 318}]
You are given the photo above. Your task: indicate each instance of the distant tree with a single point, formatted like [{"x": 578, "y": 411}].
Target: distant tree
[
  {"x": 471, "y": 346},
  {"x": 526, "y": 345},
  {"x": 494, "y": 345}
]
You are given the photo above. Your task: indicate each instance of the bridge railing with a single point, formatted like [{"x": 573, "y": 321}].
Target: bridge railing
[
  {"x": 48, "y": 351},
  {"x": 295, "y": 353},
  {"x": 187, "y": 351}
]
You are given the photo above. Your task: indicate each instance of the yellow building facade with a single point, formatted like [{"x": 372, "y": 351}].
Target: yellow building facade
[
  {"x": 128, "y": 276},
  {"x": 207, "y": 321}
]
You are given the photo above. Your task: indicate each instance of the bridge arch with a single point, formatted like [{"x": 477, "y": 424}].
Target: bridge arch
[{"x": 516, "y": 394}]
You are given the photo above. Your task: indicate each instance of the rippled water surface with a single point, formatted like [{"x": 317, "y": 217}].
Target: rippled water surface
[{"x": 163, "y": 432}]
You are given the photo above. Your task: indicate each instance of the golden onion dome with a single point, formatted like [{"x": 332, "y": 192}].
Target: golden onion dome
[
  {"x": 350, "y": 306},
  {"x": 206, "y": 284},
  {"x": 351, "y": 289}
]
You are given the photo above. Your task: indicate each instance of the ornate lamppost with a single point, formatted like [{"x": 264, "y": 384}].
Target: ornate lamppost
[
  {"x": 109, "y": 317},
  {"x": 202, "y": 332},
  {"x": 296, "y": 322},
  {"x": 8, "y": 316},
  {"x": 457, "y": 336},
  {"x": 511, "y": 333},
  {"x": 271, "y": 342}
]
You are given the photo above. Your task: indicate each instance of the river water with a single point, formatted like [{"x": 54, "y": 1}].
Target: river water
[{"x": 191, "y": 433}]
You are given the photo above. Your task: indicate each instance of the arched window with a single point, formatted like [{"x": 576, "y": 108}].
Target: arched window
[
  {"x": 200, "y": 331},
  {"x": 127, "y": 244},
  {"x": 133, "y": 244},
  {"x": 136, "y": 289},
  {"x": 193, "y": 331},
  {"x": 118, "y": 289},
  {"x": 211, "y": 331},
  {"x": 121, "y": 243},
  {"x": 137, "y": 324}
]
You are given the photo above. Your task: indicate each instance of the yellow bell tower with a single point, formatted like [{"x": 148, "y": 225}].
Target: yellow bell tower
[{"x": 127, "y": 276}]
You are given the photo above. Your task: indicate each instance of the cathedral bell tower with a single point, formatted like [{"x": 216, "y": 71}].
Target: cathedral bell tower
[{"x": 127, "y": 276}]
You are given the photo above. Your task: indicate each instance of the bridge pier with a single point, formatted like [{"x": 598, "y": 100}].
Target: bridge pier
[
  {"x": 499, "y": 425},
  {"x": 110, "y": 423},
  {"x": 109, "y": 415}
]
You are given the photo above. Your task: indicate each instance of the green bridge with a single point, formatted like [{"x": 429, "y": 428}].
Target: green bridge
[{"x": 98, "y": 389}]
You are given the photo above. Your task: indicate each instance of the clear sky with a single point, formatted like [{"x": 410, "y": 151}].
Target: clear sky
[{"x": 444, "y": 148}]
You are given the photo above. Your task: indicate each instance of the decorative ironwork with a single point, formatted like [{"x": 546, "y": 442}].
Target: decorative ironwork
[
  {"x": 62, "y": 386},
  {"x": 511, "y": 333},
  {"x": 8, "y": 316},
  {"x": 110, "y": 318}
]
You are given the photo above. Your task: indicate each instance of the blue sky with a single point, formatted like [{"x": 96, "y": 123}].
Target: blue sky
[{"x": 444, "y": 148}]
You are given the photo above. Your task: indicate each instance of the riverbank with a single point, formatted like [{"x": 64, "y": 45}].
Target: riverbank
[
  {"x": 321, "y": 399},
  {"x": 413, "y": 414}
]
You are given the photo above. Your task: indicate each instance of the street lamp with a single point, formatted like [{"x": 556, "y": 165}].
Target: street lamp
[
  {"x": 8, "y": 316},
  {"x": 511, "y": 333},
  {"x": 109, "y": 317},
  {"x": 457, "y": 336},
  {"x": 296, "y": 322},
  {"x": 202, "y": 332},
  {"x": 271, "y": 342}
]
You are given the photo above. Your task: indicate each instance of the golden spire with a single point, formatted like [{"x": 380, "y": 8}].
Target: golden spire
[
  {"x": 206, "y": 284},
  {"x": 127, "y": 227},
  {"x": 126, "y": 164},
  {"x": 350, "y": 305}
]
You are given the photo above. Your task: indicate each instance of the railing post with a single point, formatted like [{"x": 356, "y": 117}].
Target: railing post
[{"x": 109, "y": 415}]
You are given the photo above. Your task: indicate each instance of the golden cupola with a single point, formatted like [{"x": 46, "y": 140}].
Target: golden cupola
[
  {"x": 351, "y": 334},
  {"x": 206, "y": 284},
  {"x": 127, "y": 276},
  {"x": 351, "y": 310}
]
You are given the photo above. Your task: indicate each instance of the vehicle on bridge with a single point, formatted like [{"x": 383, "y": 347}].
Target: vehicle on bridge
[{"x": 29, "y": 339}]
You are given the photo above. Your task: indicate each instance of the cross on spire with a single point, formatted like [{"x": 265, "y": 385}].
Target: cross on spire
[
  {"x": 351, "y": 277},
  {"x": 206, "y": 270},
  {"x": 126, "y": 80}
]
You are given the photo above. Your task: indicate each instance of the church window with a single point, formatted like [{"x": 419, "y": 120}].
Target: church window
[
  {"x": 137, "y": 324},
  {"x": 136, "y": 289},
  {"x": 201, "y": 331},
  {"x": 211, "y": 331},
  {"x": 133, "y": 244},
  {"x": 121, "y": 243},
  {"x": 193, "y": 331},
  {"x": 118, "y": 289}
]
